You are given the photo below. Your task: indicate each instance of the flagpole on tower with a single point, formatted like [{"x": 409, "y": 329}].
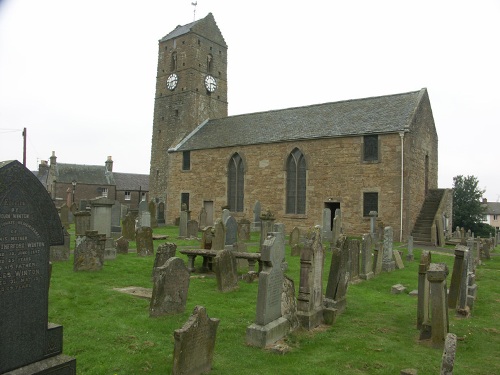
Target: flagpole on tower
[{"x": 194, "y": 3}]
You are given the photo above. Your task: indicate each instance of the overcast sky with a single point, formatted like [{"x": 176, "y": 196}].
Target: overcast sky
[{"x": 80, "y": 75}]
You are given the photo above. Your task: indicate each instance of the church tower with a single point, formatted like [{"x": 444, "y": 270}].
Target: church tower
[{"x": 191, "y": 87}]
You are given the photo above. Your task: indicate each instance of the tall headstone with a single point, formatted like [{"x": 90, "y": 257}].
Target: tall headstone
[
  {"x": 184, "y": 217},
  {"x": 144, "y": 241},
  {"x": 194, "y": 344},
  {"x": 423, "y": 290},
  {"x": 128, "y": 227},
  {"x": 354, "y": 259},
  {"x": 170, "y": 288},
  {"x": 89, "y": 251},
  {"x": 388, "y": 264},
  {"x": 410, "y": 256},
  {"x": 164, "y": 252},
  {"x": 143, "y": 206},
  {"x": 294, "y": 242},
  {"x": 100, "y": 221},
  {"x": 337, "y": 226},
  {"x": 145, "y": 219},
  {"x": 153, "y": 214},
  {"x": 161, "y": 213},
  {"x": 270, "y": 326},
  {"x": 29, "y": 225},
  {"x": 366, "y": 272},
  {"x": 219, "y": 235},
  {"x": 327, "y": 222},
  {"x": 203, "y": 218},
  {"x": 310, "y": 299},
  {"x": 231, "y": 231},
  {"x": 244, "y": 230},
  {"x": 226, "y": 271},
  {"x": 373, "y": 223},
  {"x": 116, "y": 214},
  {"x": 456, "y": 276},
  {"x": 256, "y": 217},
  {"x": 225, "y": 215},
  {"x": 436, "y": 274},
  {"x": 338, "y": 278},
  {"x": 82, "y": 222}
]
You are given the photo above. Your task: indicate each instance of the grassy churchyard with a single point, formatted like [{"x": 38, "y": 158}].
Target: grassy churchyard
[{"x": 111, "y": 332}]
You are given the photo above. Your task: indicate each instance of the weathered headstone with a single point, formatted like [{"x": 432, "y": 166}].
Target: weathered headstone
[
  {"x": 388, "y": 264},
  {"x": 64, "y": 215},
  {"x": 207, "y": 238},
  {"x": 194, "y": 344},
  {"x": 354, "y": 259},
  {"x": 310, "y": 299},
  {"x": 144, "y": 241},
  {"x": 436, "y": 274},
  {"x": 61, "y": 252},
  {"x": 449, "y": 351},
  {"x": 244, "y": 230},
  {"x": 170, "y": 288},
  {"x": 226, "y": 271},
  {"x": 161, "y": 213},
  {"x": 164, "y": 252},
  {"x": 219, "y": 235},
  {"x": 116, "y": 214},
  {"x": 89, "y": 251},
  {"x": 398, "y": 261},
  {"x": 270, "y": 326},
  {"x": 143, "y": 206},
  {"x": 423, "y": 320},
  {"x": 184, "y": 218},
  {"x": 145, "y": 219},
  {"x": 29, "y": 225},
  {"x": 456, "y": 276},
  {"x": 121, "y": 245},
  {"x": 192, "y": 229},
  {"x": 294, "y": 242},
  {"x": 327, "y": 222},
  {"x": 410, "y": 256},
  {"x": 289, "y": 303},
  {"x": 128, "y": 227},
  {"x": 225, "y": 214},
  {"x": 231, "y": 231},
  {"x": 338, "y": 278},
  {"x": 337, "y": 226},
  {"x": 82, "y": 222},
  {"x": 203, "y": 218},
  {"x": 378, "y": 257},
  {"x": 366, "y": 272}
]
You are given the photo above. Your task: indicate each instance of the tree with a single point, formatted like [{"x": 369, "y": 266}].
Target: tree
[{"x": 468, "y": 211}]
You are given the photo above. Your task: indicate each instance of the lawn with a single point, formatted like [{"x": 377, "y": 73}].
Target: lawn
[{"x": 111, "y": 333}]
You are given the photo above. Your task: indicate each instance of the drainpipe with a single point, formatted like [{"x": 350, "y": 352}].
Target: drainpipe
[{"x": 402, "y": 135}]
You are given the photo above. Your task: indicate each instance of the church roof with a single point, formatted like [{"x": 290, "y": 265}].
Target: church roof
[{"x": 374, "y": 115}]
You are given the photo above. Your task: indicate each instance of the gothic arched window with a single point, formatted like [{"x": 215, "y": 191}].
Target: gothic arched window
[
  {"x": 296, "y": 183},
  {"x": 235, "y": 183}
]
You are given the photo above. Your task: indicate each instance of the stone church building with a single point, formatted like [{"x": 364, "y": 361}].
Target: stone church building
[{"x": 373, "y": 154}]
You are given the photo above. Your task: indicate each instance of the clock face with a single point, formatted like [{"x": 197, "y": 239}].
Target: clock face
[
  {"x": 172, "y": 81},
  {"x": 210, "y": 83}
]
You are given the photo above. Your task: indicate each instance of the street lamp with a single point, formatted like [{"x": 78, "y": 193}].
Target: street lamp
[{"x": 74, "y": 187}]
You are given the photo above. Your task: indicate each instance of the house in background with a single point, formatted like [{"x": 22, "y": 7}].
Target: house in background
[
  {"x": 491, "y": 213},
  {"x": 73, "y": 183}
]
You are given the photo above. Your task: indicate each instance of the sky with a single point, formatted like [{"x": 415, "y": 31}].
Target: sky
[{"x": 80, "y": 75}]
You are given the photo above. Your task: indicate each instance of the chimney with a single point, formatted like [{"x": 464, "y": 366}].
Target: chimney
[
  {"x": 485, "y": 200},
  {"x": 53, "y": 158},
  {"x": 109, "y": 164},
  {"x": 43, "y": 167}
]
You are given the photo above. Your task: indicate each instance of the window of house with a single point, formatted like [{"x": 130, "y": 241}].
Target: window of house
[
  {"x": 104, "y": 192},
  {"x": 370, "y": 203},
  {"x": 235, "y": 183},
  {"x": 370, "y": 148},
  {"x": 128, "y": 195},
  {"x": 296, "y": 183},
  {"x": 143, "y": 197},
  {"x": 186, "y": 160},
  {"x": 495, "y": 217}
]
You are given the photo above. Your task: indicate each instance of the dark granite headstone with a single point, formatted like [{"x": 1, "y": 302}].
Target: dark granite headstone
[{"x": 29, "y": 225}]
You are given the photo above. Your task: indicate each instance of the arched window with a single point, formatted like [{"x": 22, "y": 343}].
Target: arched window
[
  {"x": 235, "y": 183},
  {"x": 296, "y": 183}
]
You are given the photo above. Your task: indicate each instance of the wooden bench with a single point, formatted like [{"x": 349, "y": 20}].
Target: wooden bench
[{"x": 208, "y": 256}]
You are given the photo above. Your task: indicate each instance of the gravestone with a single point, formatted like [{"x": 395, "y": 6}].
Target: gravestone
[
  {"x": 256, "y": 217},
  {"x": 231, "y": 231},
  {"x": 310, "y": 299},
  {"x": 398, "y": 261},
  {"x": 294, "y": 242},
  {"x": 64, "y": 215},
  {"x": 203, "y": 218},
  {"x": 82, "y": 222},
  {"x": 219, "y": 235},
  {"x": 153, "y": 215},
  {"x": 226, "y": 271},
  {"x": 164, "y": 252},
  {"x": 463, "y": 288},
  {"x": 143, "y": 206},
  {"x": 61, "y": 252},
  {"x": 373, "y": 223},
  {"x": 436, "y": 274},
  {"x": 423, "y": 314},
  {"x": 183, "y": 220},
  {"x": 192, "y": 229},
  {"x": 270, "y": 326},
  {"x": 29, "y": 225},
  {"x": 225, "y": 215},
  {"x": 378, "y": 257},
  {"x": 353, "y": 259},
  {"x": 144, "y": 242},
  {"x": 388, "y": 264},
  {"x": 161, "y": 213},
  {"x": 410, "y": 256},
  {"x": 327, "y": 222},
  {"x": 116, "y": 214},
  {"x": 121, "y": 245},
  {"x": 289, "y": 303},
  {"x": 207, "y": 238},
  {"x": 366, "y": 272},
  {"x": 244, "y": 230},
  {"x": 128, "y": 227},
  {"x": 194, "y": 344},
  {"x": 448, "y": 357},
  {"x": 89, "y": 251},
  {"x": 338, "y": 278},
  {"x": 145, "y": 219},
  {"x": 337, "y": 226},
  {"x": 170, "y": 288},
  {"x": 100, "y": 221},
  {"x": 456, "y": 276},
  {"x": 266, "y": 226}
]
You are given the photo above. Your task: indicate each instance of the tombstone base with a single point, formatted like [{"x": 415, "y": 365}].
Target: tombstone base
[
  {"x": 425, "y": 331},
  {"x": 310, "y": 319},
  {"x": 389, "y": 266},
  {"x": 262, "y": 336},
  {"x": 59, "y": 365},
  {"x": 410, "y": 257},
  {"x": 329, "y": 316},
  {"x": 463, "y": 313},
  {"x": 339, "y": 305},
  {"x": 367, "y": 276}
]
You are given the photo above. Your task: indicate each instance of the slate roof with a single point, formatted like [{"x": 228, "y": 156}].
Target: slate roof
[
  {"x": 131, "y": 181},
  {"x": 179, "y": 30},
  {"x": 492, "y": 208},
  {"x": 84, "y": 174},
  {"x": 374, "y": 115}
]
